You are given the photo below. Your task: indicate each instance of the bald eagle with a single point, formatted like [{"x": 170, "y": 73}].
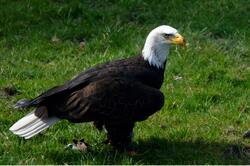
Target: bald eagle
[{"x": 114, "y": 95}]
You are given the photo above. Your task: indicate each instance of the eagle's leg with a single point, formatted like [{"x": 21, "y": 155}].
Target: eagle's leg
[
  {"x": 120, "y": 136},
  {"x": 98, "y": 125}
]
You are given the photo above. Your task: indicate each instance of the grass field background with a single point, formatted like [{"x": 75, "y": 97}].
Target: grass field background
[{"x": 206, "y": 87}]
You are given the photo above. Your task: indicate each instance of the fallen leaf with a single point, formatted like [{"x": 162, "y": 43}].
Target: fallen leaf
[{"x": 55, "y": 39}]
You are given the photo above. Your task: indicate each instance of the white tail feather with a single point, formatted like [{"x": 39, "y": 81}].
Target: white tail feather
[
  {"x": 27, "y": 129},
  {"x": 31, "y": 125}
]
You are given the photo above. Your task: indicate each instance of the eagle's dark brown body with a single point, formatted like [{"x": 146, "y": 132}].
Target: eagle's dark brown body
[{"x": 115, "y": 94}]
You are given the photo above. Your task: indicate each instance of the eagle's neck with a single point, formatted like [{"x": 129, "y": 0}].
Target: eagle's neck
[{"x": 155, "y": 53}]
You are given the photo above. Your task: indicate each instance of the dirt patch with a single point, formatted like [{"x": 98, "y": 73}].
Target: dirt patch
[
  {"x": 8, "y": 91},
  {"x": 247, "y": 134},
  {"x": 237, "y": 151}
]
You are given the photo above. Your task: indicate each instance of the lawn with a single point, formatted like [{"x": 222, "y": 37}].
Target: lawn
[{"x": 206, "y": 86}]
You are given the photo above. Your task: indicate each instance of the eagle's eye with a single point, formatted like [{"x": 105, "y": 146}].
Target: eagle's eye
[{"x": 166, "y": 35}]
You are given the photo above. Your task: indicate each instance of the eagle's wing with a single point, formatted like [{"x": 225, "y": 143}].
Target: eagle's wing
[
  {"x": 109, "y": 99},
  {"x": 78, "y": 82},
  {"x": 120, "y": 68}
]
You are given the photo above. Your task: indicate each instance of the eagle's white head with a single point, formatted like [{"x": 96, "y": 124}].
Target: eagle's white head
[{"x": 158, "y": 42}]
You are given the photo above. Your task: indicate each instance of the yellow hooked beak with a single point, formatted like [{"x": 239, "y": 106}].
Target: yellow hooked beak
[{"x": 178, "y": 39}]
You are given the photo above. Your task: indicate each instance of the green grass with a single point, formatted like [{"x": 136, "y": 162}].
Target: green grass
[{"x": 205, "y": 113}]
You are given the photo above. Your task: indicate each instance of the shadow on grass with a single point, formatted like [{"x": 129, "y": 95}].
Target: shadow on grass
[
  {"x": 162, "y": 151},
  {"x": 159, "y": 151}
]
